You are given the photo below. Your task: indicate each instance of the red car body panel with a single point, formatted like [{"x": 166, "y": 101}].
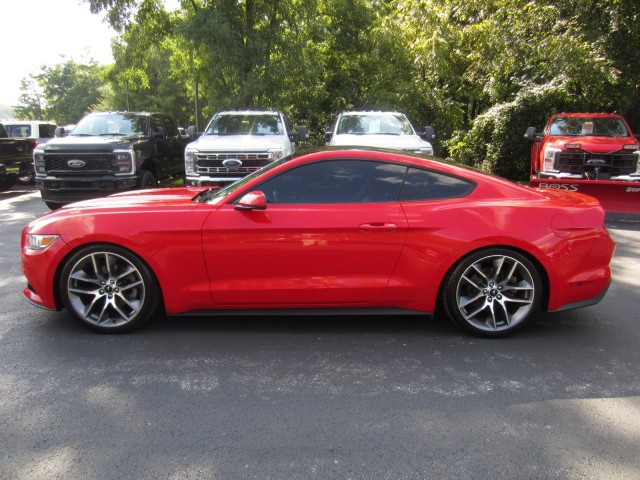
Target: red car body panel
[{"x": 394, "y": 254}]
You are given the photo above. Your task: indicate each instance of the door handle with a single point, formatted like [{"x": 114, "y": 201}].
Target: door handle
[{"x": 378, "y": 227}]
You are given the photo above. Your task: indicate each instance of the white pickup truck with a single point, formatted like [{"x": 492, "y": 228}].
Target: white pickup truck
[
  {"x": 379, "y": 129},
  {"x": 236, "y": 143}
]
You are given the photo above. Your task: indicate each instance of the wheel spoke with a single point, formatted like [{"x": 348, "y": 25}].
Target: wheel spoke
[
  {"x": 495, "y": 292},
  {"x": 106, "y": 289}
]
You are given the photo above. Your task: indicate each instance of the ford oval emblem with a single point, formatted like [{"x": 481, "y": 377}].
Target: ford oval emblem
[
  {"x": 232, "y": 162},
  {"x": 76, "y": 163}
]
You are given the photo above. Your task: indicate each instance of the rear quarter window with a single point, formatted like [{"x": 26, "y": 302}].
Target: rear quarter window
[{"x": 429, "y": 185}]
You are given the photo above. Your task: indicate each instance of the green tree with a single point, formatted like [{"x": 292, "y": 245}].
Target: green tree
[
  {"x": 31, "y": 102},
  {"x": 70, "y": 89}
]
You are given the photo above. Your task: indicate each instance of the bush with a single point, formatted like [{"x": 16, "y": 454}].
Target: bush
[{"x": 495, "y": 144}]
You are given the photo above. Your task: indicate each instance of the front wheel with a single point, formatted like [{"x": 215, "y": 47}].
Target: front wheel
[
  {"x": 108, "y": 289},
  {"x": 492, "y": 292},
  {"x": 147, "y": 180}
]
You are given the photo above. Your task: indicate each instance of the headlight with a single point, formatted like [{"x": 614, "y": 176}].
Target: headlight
[
  {"x": 549, "y": 163},
  {"x": 276, "y": 153},
  {"x": 426, "y": 151},
  {"x": 190, "y": 162},
  {"x": 123, "y": 161},
  {"x": 40, "y": 242},
  {"x": 38, "y": 161}
]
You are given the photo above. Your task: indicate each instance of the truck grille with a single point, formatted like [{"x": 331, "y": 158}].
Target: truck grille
[
  {"x": 615, "y": 163},
  {"x": 93, "y": 163},
  {"x": 213, "y": 163}
]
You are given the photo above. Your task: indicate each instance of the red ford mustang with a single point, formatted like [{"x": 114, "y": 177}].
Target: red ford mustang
[{"x": 350, "y": 231}]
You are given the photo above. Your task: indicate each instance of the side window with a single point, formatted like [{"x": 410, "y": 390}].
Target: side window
[
  {"x": 156, "y": 126},
  {"x": 169, "y": 127},
  {"x": 336, "y": 181},
  {"x": 428, "y": 185},
  {"x": 47, "y": 130}
]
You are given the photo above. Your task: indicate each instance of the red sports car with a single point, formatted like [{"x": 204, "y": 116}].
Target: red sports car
[{"x": 349, "y": 231}]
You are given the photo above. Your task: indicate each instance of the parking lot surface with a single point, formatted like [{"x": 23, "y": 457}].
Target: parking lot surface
[{"x": 318, "y": 397}]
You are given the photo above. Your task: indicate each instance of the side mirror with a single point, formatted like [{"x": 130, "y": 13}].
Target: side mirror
[
  {"x": 327, "y": 136},
  {"x": 530, "y": 134},
  {"x": 303, "y": 133},
  {"x": 252, "y": 201},
  {"x": 192, "y": 133},
  {"x": 429, "y": 133},
  {"x": 61, "y": 132}
]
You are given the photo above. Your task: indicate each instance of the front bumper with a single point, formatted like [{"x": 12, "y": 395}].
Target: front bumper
[
  {"x": 203, "y": 181},
  {"x": 73, "y": 189}
]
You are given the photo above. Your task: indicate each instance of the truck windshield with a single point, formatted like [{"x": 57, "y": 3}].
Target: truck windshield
[
  {"x": 245, "y": 124},
  {"x": 112, "y": 124},
  {"x": 374, "y": 124},
  {"x": 588, "y": 127}
]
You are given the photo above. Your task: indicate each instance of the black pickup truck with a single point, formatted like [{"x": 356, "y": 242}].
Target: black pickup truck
[
  {"x": 15, "y": 158},
  {"x": 109, "y": 152}
]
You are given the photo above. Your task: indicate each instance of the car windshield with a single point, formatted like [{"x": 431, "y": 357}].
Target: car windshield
[
  {"x": 245, "y": 124},
  {"x": 112, "y": 124},
  {"x": 214, "y": 195},
  {"x": 587, "y": 127},
  {"x": 374, "y": 124}
]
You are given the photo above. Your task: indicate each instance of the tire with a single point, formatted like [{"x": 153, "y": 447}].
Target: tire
[
  {"x": 53, "y": 206},
  {"x": 108, "y": 289},
  {"x": 7, "y": 181},
  {"x": 492, "y": 292},
  {"x": 26, "y": 174},
  {"x": 26, "y": 178},
  {"x": 147, "y": 180}
]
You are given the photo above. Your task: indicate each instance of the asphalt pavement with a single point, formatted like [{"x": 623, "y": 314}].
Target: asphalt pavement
[{"x": 318, "y": 397}]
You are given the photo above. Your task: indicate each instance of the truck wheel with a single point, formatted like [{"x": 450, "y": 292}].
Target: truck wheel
[
  {"x": 26, "y": 175},
  {"x": 26, "y": 178},
  {"x": 53, "y": 206},
  {"x": 7, "y": 181},
  {"x": 147, "y": 180}
]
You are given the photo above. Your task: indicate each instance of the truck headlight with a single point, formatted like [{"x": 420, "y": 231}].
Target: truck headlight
[
  {"x": 190, "y": 162},
  {"x": 426, "y": 150},
  {"x": 38, "y": 161},
  {"x": 123, "y": 161},
  {"x": 276, "y": 153},
  {"x": 549, "y": 162}
]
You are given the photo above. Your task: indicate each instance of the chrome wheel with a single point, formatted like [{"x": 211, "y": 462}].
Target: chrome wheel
[
  {"x": 107, "y": 289},
  {"x": 493, "y": 292}
]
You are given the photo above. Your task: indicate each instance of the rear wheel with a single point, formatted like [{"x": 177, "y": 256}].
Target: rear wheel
[
  {"x": 108, "y": 289},
  {"x": 492, "y": 292}
]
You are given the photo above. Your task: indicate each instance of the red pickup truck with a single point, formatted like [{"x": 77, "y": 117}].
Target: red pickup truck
[{"x": 592, "y": 153}]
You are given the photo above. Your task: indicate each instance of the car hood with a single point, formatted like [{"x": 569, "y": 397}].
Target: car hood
[
  {"x": 238, "y": 143},
  {"x": 395, "y": 142},
  {"x": 593, "y": 144},
  {"x": 162, "y": 197},
  {"x": 100, "y": 143}
]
